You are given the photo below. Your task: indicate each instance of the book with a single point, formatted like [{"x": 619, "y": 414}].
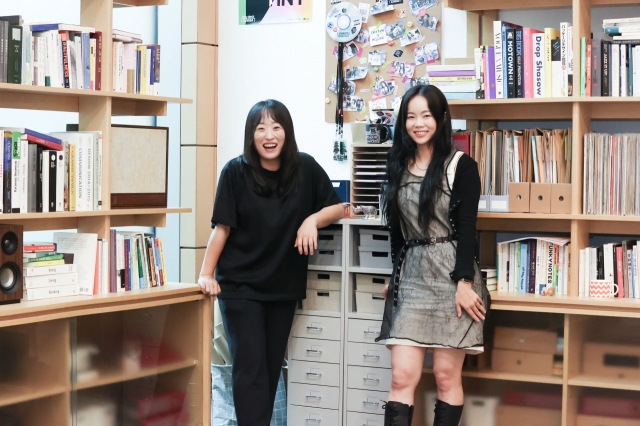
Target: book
[
  {"x": 50, "y": 292},
  {"x": 34, "y": 260},
  {"x": 550, "y": 34},
  {"x": 557, "y": 77},
  {"x": 83, "y": 246},
  {"x": 510, "y": 63},
  {"x": 14, "y": 55},
  {"x": 596, "y": 67},
  {"x": 538, "y": 66},
  {"x": 53, "y": 280},
  {"x": 519, "y": 62},
  {"x": 62, "y": 27}
]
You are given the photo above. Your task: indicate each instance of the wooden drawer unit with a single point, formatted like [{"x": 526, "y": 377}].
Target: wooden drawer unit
[
  {"x": 314, "y": 396},
  {"x": 314, "y": 350},
  {"x": 363, "y": 331},
  {"x": 314, "y": 327},
  {"x": 366, "y": 401},
  {"x": 368, "y": 378},
  {"x": 368, "y": 355},
  {"x": 311, "y": 416},
  {"x": 314, "y": 373}
]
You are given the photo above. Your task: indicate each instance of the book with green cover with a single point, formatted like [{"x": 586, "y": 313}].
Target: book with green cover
[{"x": 14, "y": 55}]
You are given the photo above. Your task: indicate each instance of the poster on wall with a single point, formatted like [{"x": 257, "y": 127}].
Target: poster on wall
[{"x": 275, "y": 11}]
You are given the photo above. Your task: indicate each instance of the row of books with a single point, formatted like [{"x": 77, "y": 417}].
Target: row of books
[
  {"x": 505, "y": 156},
  {"x": 611, "y": 171},
  {"x": 70, "y": 56},
  {"x": 50, "y": 172},
  {"x": 82, "y": 264},
  {"x": 536, "y": 265},
  {"x": 456, "y": 82},
  {"x": 616, "y": 263}
]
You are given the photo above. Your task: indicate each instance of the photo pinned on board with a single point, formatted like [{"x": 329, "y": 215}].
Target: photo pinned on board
[
  {"x": 348, "y": 87},
  {"x": 395, "y": 31},
  {"x": 363, "y": 36},
  {"x": 355, "y": 73},
  {"x": 377, "y": 57},
  {"x": 384, "y": 88},
  {"x": 421, "y": 5},
  {"x": 426, "y": 54},
  {"x": 428, "y": 21},
  {"x": 378, "y": 35},
  {"x": 353, "y": 103},
  {"x": 364, "y": 11},
  {"x": 402, "y": 69},
  {"x": 410, "y": 37},
  {"x": 348, "y": 51},
  {"x": 419, "y": 81},
  {"x": 381, "y": 7}
]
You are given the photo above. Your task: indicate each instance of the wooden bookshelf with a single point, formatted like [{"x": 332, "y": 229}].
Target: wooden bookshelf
[
  {"x": 11, "y": 395},
  {"x": 605, "y": 383},
  {"x": 497, "y": 375},
  {"x": 130, "y": 3}
]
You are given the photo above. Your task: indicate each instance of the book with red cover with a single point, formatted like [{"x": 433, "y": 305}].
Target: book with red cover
[
  {"x": 38, "y": 138},
  {"x": 174, "y": 419},
  {"x": 462, "y": 142},
  {"x": 98, "y": 79},
  {"x": 610, "y": 407},
  {"x": 36, "y": 247},
  {"x": 533, "y": 399},
  {"x": 159, "y": 405}
]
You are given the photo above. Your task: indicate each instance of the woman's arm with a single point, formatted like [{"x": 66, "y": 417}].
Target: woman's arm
[
  {"x": 218, "y": 238},
  {"x": 307, "y": 239}
]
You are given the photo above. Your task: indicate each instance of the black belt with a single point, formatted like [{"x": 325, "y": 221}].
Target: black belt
[{"x": 397, "y": 267}]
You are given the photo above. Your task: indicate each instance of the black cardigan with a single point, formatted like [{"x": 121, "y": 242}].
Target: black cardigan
[{"x": 463, "y": 213}]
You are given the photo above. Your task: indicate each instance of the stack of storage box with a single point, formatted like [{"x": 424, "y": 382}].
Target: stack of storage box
[
  {"x": 323, "y": 291},
  {"x": 374, "y": 250},
  {"x": 369, "y": 298},
  {"x": 524, "y": 351},
  {"x": 329, "y": 251}
]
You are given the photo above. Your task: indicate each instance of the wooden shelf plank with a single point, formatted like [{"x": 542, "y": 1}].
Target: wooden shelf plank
[
  {"x": 131, "y": 3},
  {"x": 119, "y": 376},
  {"x": 626, "y": 308},
  {"x": 496, "y": 375},
  {"x": 10, "y": 395},
  {"x": 379, "y": 271},
  {"x": 27, "y": 312},
  {"x": 605, "y": 383},
  {"x": 22, "y": 96},
  {"x": 324, "y": 268}
]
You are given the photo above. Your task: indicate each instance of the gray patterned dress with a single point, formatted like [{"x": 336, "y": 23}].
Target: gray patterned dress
[{"x": 425, "y": 314}]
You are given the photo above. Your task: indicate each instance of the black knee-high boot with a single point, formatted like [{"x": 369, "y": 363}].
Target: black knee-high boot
[
  {"x": 446, "y": 414},
  {"x": 397, "y": 414}
]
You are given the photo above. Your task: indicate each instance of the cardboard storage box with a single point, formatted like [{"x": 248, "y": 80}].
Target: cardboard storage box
[
  {"x": 326, "y": 257},
  {"x": 322, "y": 300},
  {"x": 321, "y": 280},
  {"x": 525, "y": 339},
  {"x": 519, "y": 197},
  {"x": 329, "y": 239},
  {"x": 372, "y": 283},
  {"x": 499, "y": 203},
  {"x": 480, "y": 410},
  {"x": 561, "y": 198},
  {"x": 375, "y": 238},
  {"x": 517, "y": 362},
  {"x": 593, "y": 405},
  {"x": 512, "y": 415},
  {"x": 370, "y": 302},
  {"x": 371, "y": 257},
  {"x": 611, "y": 360},
  {"x": 540, "y": 198},
  {"x": 584, "y": 420}
]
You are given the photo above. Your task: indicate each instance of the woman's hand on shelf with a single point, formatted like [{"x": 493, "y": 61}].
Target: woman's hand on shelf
[
  {"x": 307, "y": 239},
  {"x": 468, "y": 300},
  {"x": 209, "y": 285}
]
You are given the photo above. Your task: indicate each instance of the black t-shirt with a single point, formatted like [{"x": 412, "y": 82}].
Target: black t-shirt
[{"x": 259, "y": 260}]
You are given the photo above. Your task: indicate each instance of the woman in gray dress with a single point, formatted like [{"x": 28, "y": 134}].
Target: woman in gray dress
[{"x": 436, "y": 299}]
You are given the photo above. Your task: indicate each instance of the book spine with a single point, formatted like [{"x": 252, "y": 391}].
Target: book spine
[
  {"x": 53, "y": 172},
  {"x": 624, "y": 87},
  {"x": 42, "y": 258},
  {"x": 14, "y": 55},
  {"x": 606, "y": 58},
  {"x": 510, "y": 67},
  {"x": 497, "y": 44},
  {"x": 564, "y": 28},
  {"x": 570, "y": 61},
  {"x": 98, "y": 179},
  {"x": 65, "y": 63},
  {"x": 539, "y": 72},
  {"x": 92, "y": 64},
  {"x": 54, "y": 280},
  {"x": 86, "y": 60},
  {"x": 98, "y": 77},
  {"x": 15, "y": 175},
  {"x": 477, "y": 56},
  {"x": 32, "y": 168},
  {"x": 127, "y": 264},
  {"x": 615, "y": 70},
  {"x": 556, "y": 68},
  {"x": 72, "y": 176},
  {"x": 60, "y": 169},
  {"x": 24, "y": 177},
  {"x": 587, "y": 89},
  {"x": 51, "y": 292},
  {"x": 596, "y": 67},
  {"x": 88, "y": 141},
  {"x": 156, "y": 70},
  {"x": 36, "y": 271}
]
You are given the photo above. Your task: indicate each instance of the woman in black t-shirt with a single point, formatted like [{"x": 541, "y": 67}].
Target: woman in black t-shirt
[{"x": 270, "y": 203}]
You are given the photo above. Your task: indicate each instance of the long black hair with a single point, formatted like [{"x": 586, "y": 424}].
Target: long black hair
[
  {"x": 289, "y": 171},
  {"x": 403, "y": 152}
]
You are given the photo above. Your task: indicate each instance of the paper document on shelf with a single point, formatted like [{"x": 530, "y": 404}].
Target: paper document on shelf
[{"x": 83, "y": 247}]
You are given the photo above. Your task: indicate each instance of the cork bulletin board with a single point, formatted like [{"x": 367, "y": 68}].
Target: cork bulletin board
[{"x": 402, "y": 19}]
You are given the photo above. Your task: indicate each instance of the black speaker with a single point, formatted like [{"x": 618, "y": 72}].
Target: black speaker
[{"x": 11, "y": 244}]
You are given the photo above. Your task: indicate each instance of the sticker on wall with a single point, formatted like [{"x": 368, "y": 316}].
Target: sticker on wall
[
  {"x": 364, "y": 11},
  {"x": 348, "y": 87},
  {"x": 395, "y": 1},
  {"x": 343, "y": 22},
  {"x": 419, "y": 7},
  {"x": 378, "y": 35},
  {"x": 426, "y": 54},
  {"x": 402, "y": 69},
  {"x": 363, "y": 36},
  {"x": 395, "y": 31},
  {"x": 376, "y": 105},
  {"x": 384, "y": 88},
  {"x": 355, "y": 73},
  {"x": 353, "y": 103},
  {"x": 381, "y": 7},
  {"x": 398, "y": 53},
  {"x": 428, "y": 21},
  {"x": 413, "y": 36},
  {"x": 377, "y": 57},
  {"x": 275, "y": 11}
]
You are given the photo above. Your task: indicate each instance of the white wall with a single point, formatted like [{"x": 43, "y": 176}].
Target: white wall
[{"x": 286, "y": 62}]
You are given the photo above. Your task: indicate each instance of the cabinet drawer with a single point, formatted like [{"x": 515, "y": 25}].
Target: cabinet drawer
[
  {"x": 308, "y": 416},
  {"x": 363, "y": 331},
  {"x": 368, "y": 355},
  {"x": 315, "y": 350},
  {"x": 369, "y": 378},
  {"x": 362, "y": 419},
  {"x": 366, "y": 401},
  {"x": 316, "y": 327},
  {"x": 315, "y": 373},
  {"x": 314, "y": 396}
]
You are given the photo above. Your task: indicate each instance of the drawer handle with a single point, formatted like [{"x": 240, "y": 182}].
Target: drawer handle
[
  {"x": 313, "y": 328},
  {"x": 369, "y": 379},
  {"x": 370, "y": 424},
  {"x": 314, "y": 351},
  {"x": 314, "y": 397},
  {"x": 310, "y": 374},
  {"x": 375, "y": 404},
  {"x": 376, "y": 357},
  {"x": 371, "y": 333},
  {"x": 310, "y": 419}
]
